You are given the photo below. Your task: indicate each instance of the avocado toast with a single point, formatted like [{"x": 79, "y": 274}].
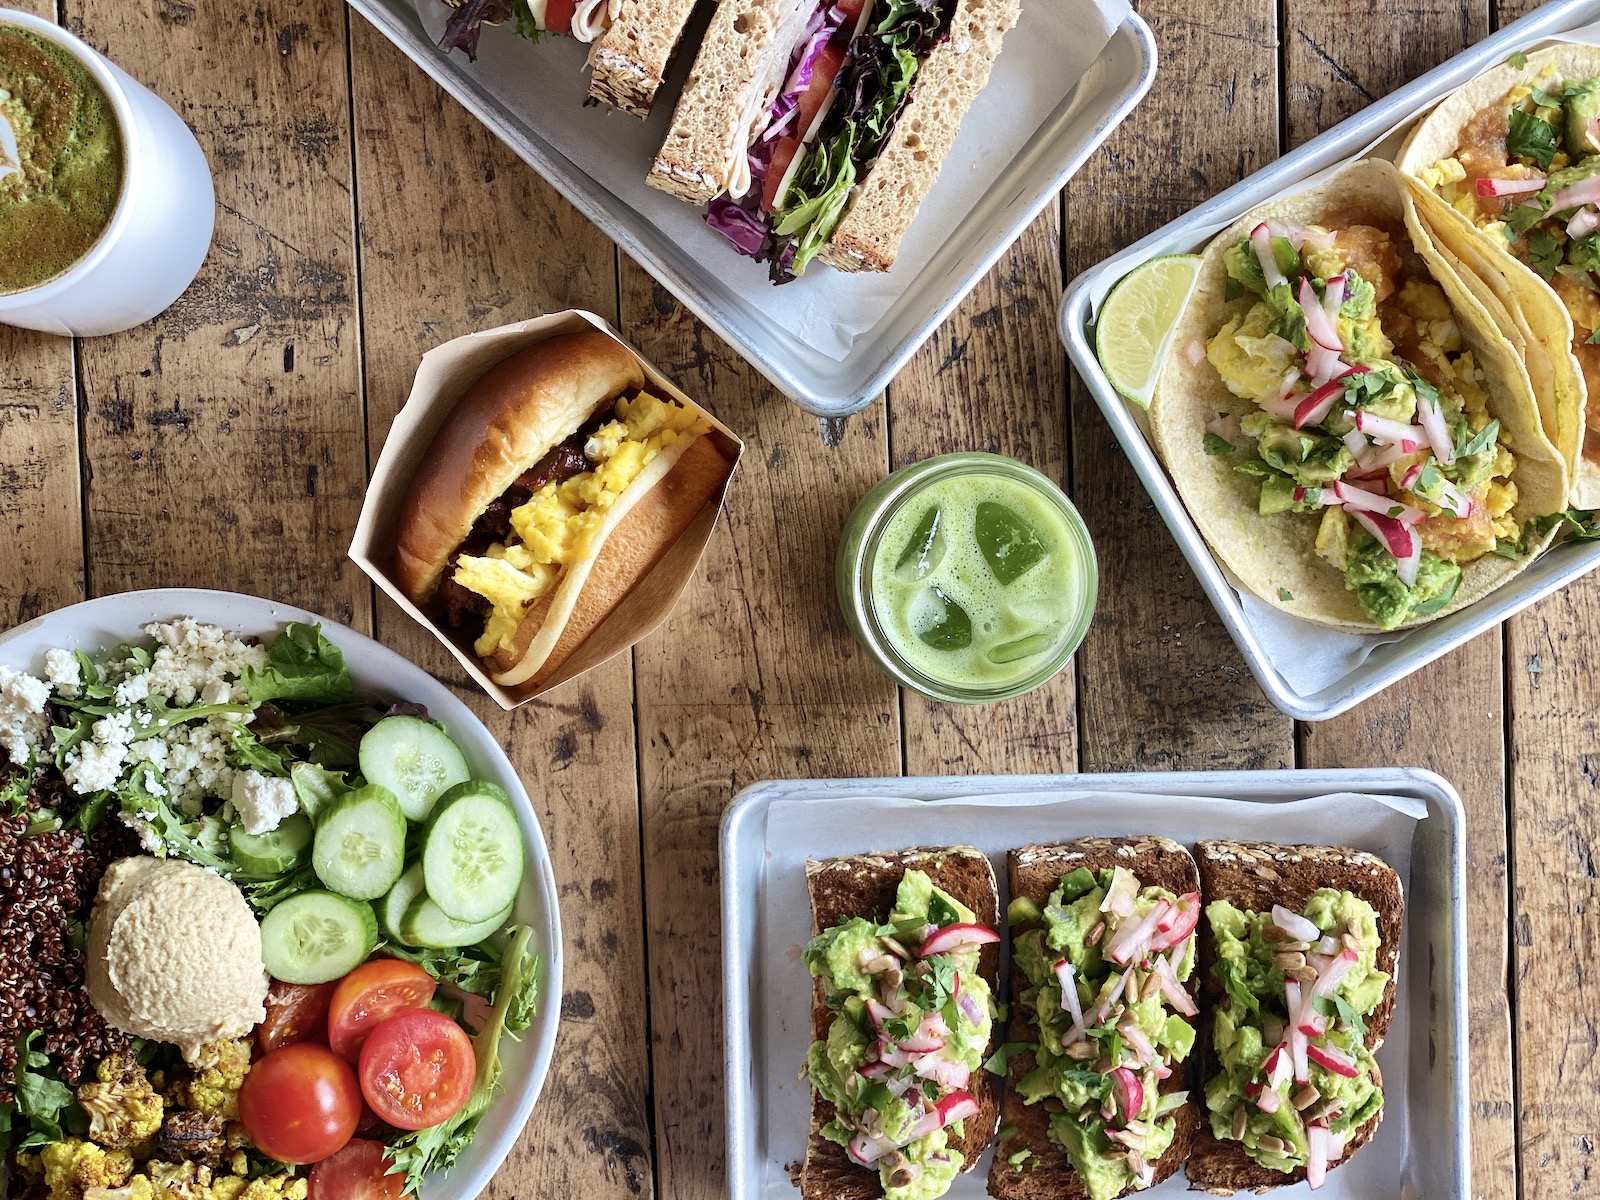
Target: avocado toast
[
  {"x": 905, "y": 961},
  {"x": 1293, "y": 1021},
  {"x": 1079, "y": 911}
]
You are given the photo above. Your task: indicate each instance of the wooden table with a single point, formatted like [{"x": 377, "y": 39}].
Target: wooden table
[{"x": 363, "y": 217}]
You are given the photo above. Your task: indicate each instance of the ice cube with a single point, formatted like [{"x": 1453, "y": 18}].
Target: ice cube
[
  {"x": 1010, "y": 545},
  {"x": 924, "y": 550}
]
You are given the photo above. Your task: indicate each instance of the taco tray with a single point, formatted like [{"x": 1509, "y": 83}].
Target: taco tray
[
  {"x": 536, "y": 116},
  {"x": 1276, "y": 646},
  {"x": 1412, "y": 818}
]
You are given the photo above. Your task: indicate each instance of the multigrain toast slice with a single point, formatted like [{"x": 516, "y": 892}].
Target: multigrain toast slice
[
  {"x": 631, "y": 58},
  {"x": 864, "y": 886},
  {"x": 1255, "y": 876},
  {"x": 1034, "y": 872}
]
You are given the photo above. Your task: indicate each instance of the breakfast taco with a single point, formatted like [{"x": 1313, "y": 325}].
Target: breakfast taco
[
  {"x": 1505, "y": 175},
  {"x": 1355, "y": 438}
]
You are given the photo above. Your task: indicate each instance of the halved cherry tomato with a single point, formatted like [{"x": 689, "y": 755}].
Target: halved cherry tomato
[
  {"x": 782, "y": 155},
  {"x": 295, "y": 1013},
  {"x": 370, "y": 995},
  {"x": 558, "y": 16},
  {"x": 357, "y": 1172},
  {"x": 300, "y": 1104},
  {"x": 824, "y": 70},
  {"x": 417, "y": 1069}
]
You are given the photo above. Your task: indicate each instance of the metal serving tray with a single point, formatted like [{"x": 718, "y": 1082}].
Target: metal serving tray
[
  {"x": 1423, "y": 1144},
  {"x": 1411, "y": 650},
  {"x": 830, "y": 388}
]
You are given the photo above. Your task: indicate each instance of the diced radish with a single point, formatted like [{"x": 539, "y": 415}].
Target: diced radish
[
  {"x": 1357, "y": 442},
  {"x": 1124, "y": 886},
  {"x": 1325, "y": 496},
  {"x": 1277, "y": 1066},
  {"x": 1333, "y": 1059},
  {"x": 893, "y": 1056},
  {"x": 1510, "y": 187},
  {"x": 1382, "y": 429},
  {"x": 879, "y": 1070},
  {"x": 1195, "y": 351},
  {"x": 947, "y": 1072},
  {"x": 1585, "y": 191},
  {"x": 1261, "y": 242},
  {"x": 1333, "y": 296},
  {"x": 1282, "y": 407},
  {"x": 1296, "y": 926},
  {"x": 1336, "y": 1142},
  {"x": 1297, "y": 1053},
  {"x": 1128, "y": 1093},
  {"x": 1360, "y": 500},
  {"x": 1321, "y": 365},
  {"x": 1268, "y": 1101},
  {"x": 970, "y": 1008},
  {"x": 1163, "y": 1072},
  {"x": 1226, "y": 428},
  {"x": 1329, "y": 945},
  {"x": 1583, "y": 223},
  {"x": 1330, "y": 979},
  {"x": 1317, "y": 1158},
  {"x": 1318, "y": 326},
  {"x": 957, "y": 1106},
  {"x": 879, "y": 1014},
  {"x": 1401, "y": 540},
  {"x": 1316, "y": 406},
  {"x": 1436, "y": 428},
  {"x": 1069, "y": 991},
  {"x": 1292, "y": 1000},
  {"x": 1178, "y": 923},
  {"x": 866, "y": 1150},
  {"x": 1136, "y": 1041},
  {"x": 1176, "y": 994},
  {"x": 1133, "y": 939},
  {"x": 957, "y": 937}
]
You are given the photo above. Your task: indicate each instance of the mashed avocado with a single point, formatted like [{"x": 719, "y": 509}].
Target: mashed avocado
[
  {"x": 1075, "y": 1080},
  {"x": 882, "y": 994},
  {"x": 1250, "y": 1021}
]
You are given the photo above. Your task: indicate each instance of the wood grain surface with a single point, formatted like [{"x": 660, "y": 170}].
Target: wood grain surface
[{"x": 363, "y": 218}]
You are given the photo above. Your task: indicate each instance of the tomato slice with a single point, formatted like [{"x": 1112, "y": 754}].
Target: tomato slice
[
  {"x": 826, "y": 68},
  {"x": 295, "y": 1013},
  {"x": 357, "y": 1172},
  {"x": 852, "y": 12},
  {"x": 300, "y": 1104},
  {"x": 782, "y": 156},
  {"x": 558, "y": 16},
  {"x": 417, "y": 1069},
  {"x": 370, "y": 995}
]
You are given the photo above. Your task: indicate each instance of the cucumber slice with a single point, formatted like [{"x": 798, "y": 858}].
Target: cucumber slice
[
  {"x": 276, "y": 852},
  {"x": 317, "y": 937},
  {"x": 424, "y": 924},
  {"x": 360, "y": 845},
  {"x": 414, "y": 759},
  {"x": 472, "y": 854},
  {"x": 392, "y": 910}
]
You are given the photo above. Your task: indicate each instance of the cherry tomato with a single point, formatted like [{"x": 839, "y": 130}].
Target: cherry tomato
[
  {"x": 300, "y": 1104},
  {"x": 357, "y": 1172},
  {"x": 417, "y": 1069},
  {"x": 295, "y": 1013},
  {"x": 558, "y": 15},
  {"x": 370, "y": 995}
]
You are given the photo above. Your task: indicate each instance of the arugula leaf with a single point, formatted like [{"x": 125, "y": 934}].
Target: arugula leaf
[
  {"x": 1543, "y": 255},
  {"x": 1531, "y": 137},
  {"x": 301, "y": 665}
]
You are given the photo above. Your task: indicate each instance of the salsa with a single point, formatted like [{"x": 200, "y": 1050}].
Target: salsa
[{"x": 60, "y": 160}]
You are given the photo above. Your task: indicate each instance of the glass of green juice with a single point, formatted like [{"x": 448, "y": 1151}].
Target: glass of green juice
[{"x": 969, "y": 578}]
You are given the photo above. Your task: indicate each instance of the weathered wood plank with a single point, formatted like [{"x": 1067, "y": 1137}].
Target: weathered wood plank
[
  {"x": 445, "y": 214},
  {"x": 993, "y": 378},
  {"x": 41, "y": 513},
  {"x": 1160, "y": 684},
  {"x": 753, "y": 677},
  {"x": 224, "y": 437},
  {"x": 1449, "y": 717}
]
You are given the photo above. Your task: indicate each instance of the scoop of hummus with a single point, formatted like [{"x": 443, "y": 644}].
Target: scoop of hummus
[{"x": 174, "y": 954}]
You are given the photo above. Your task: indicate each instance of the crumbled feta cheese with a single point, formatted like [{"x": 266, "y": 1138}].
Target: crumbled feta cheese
[
  {"x": 190, "y": 655},
  {"x": 262, "y": 802},
  {"x": 149, "y": 839},
  {"x": 133, "y": 689},
  {"x": 61, "y": 672},
  {"x": 23, "y": 724},
  {"x": 93, "y": 767},
  {"x": 197, "y": 761}
]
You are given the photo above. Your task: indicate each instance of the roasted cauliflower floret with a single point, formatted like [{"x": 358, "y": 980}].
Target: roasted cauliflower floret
[
  {"x": 73, "y": 1166},
  {"x": 213, "y": 1089},
  {"x": 124, "y": 1109},
  {"x": 192, "y": 1136},
  {"x": 137, "y": 1188}
]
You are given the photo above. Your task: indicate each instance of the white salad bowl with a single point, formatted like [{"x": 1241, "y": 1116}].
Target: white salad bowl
[{"x": 377, "y": 672}]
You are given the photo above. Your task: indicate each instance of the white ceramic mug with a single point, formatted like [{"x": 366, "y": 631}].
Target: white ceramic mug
[{"x": 161, "y": 229}]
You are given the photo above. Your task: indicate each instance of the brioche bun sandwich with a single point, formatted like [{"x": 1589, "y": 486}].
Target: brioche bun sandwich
[
  {"x": 555, "y": 485},
  {"x": 816, "y": 128}
]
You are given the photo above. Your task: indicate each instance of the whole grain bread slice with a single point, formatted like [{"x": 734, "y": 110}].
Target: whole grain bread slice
[
  {"x": 949, "y": 80},
  {"x": 1034, "y": 872},
  {"x": 1255, "y": 876},
  {"x": 864, "y": 886},
  {"x": 630, "y": 60}
]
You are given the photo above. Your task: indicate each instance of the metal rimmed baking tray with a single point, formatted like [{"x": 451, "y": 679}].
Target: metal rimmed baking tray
[
  {"x": 1410, "y": 817},
  {"x": 822, "y": 385},
  {"x": 1393, "y": 656}
]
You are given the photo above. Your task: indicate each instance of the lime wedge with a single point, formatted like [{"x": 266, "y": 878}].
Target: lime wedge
[{"x": 1140, "y": 320}]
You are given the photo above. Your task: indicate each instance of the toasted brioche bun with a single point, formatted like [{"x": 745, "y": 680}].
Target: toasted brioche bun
[{"x": 501, "y": 427}]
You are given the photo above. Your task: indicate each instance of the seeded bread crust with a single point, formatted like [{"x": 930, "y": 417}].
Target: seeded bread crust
[
  {"x": 1255, "y": 876},
  {"x": 1035, "y": 872},
  {"x": 949, "y": 80},
  {"x": 630, "y": 60},
  {"x": 864, "y": 886}
]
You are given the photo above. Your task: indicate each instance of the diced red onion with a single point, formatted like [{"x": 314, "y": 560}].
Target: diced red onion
[
  {"x": 1583, "y": 222},
  {"x": 1360, "y": 500},
  {"x": 970, "y": 1008},
  {"x": 1226, "y": 428}
]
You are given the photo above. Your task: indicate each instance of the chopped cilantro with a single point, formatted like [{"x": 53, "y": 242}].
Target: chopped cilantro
[
  {"x": 1526, "y": 215},
  {"x": 997, "y": 1062},
  {"x": 1544, "y": 255},
  {"x": 1544, "y": 99},
  {"x": 1531, "y": 137},
  {"x": 1468, "y": 443},
  {"x": 1215, "y": 444},
  {"x": 1593, "y": 339},
  {"x": 1021, "y": 1156},
  {"x": 1584, "y": 252},
  {"x": 1285, "y": 594},
  {"x": 1517, "y": 60}
]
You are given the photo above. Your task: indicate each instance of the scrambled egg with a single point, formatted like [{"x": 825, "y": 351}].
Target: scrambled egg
[
  {"x": 1251, "y": 361},
  {"x": 560, "y": 523}
]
